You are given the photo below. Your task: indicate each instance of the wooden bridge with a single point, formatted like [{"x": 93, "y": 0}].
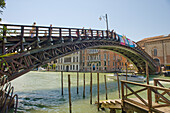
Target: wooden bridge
[
  {"x": 24, "y": 47},
  {"x": 132, "y": 101}
]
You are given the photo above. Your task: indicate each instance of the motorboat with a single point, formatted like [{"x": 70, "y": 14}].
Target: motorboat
[
  {"x": 130, "y": 77},
  {"x": 41, "y": 69}
]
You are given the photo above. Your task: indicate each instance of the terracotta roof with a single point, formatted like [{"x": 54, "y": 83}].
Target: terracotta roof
[{"x": 155, "y": 38}]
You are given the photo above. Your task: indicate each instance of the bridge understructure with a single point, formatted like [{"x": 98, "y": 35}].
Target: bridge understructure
[{"x": 26, "y": 47}]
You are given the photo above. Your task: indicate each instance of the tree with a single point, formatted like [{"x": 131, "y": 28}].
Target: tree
[{"x": 2, "y": 6}]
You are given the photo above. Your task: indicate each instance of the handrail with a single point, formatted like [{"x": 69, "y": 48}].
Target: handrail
[
  {"x": 148, "y": 105},
  {"x": 157, "y": 83},
  {"x": 144, "y": 85}
]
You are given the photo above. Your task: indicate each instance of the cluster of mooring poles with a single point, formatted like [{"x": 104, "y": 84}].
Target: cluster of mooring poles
[{"x": 91, "y": 84}]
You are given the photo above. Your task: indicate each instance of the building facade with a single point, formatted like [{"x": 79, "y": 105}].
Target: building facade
[
  {"x": 158, "y": 48},
  {"x": 69, "y": 63},
  {"x": 101, "y": 61}
]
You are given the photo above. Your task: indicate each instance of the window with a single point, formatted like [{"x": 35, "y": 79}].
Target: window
[
  {"x": 73, "y": 59},
  {"x": 73, "y": 67},
  {"x": 70, "y": 67},
  {"x": 155, "y": 52},
  {"x": 99, "y": 57},
  {"x": 77, "y": 59},
  {"x": 77, "y": 67},
  {"x": 104, "y": 56},
  {"x": 68, "y": 59},
  {"x": 104, "y": 63},
  {"x": 108, "y": 57},
  {"x": 113, "y": 63},
  {"x": 108, "y": 63},
  {"x": 99, "y": 63}
]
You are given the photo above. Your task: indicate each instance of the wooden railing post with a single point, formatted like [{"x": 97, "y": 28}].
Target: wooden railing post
[
  {"x": 126, "y": 76},
  {"x": 22, "y": 37},
  {"x": 118, "y": 84},
  {"x": 123, "y": 98},
  {"x": 78, "y": 33},
  {"x": 149, "y": 99},
  {"x": 69, "y": 33},
  {"x": 156, "y": 96},
  {"x": 102, "y": 35},
  {"x": 122, "y": 88},
  {"x": 147, "y": 73},
  {"x": 60, "y": 33},
  {"x": 3, "y": 41},
  {"x": 92, "y": 34},
  {"x": 97, "y": 34},
  {"x": 85, "y": 34},
  {"x": 107, "y": 33}
]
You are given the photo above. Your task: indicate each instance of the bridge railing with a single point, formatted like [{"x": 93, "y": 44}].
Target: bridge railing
[
  {"x": 157, "y": 82},
  {"x": 51, "y": 31},
  {"x": 139, "y": 100},
  {"x": 17, "y": 36},
  {"x": 144, "y": 53}
]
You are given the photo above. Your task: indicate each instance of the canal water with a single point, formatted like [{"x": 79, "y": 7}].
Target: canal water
[{"x": 40, "y": 92}]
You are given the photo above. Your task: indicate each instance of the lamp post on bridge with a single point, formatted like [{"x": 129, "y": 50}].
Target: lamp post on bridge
[{"x": 106, "y": 19}]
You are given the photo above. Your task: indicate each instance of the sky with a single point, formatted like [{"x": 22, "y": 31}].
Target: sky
[{"x": 136, "y": 19}]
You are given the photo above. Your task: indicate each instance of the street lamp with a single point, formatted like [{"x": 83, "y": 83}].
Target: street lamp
[{"x": 106, "y": 19}]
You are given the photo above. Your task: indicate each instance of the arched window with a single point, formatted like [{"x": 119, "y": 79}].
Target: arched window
[{"x": 155, "y": 52}]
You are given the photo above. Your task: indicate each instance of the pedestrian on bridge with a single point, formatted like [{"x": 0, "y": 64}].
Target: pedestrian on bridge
[{"x": 32, "y": 32}]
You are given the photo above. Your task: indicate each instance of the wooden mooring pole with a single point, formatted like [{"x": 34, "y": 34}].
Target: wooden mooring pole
[
  {"x": 69, "y": 91},
  {"x": 98, "y": 90},
  {"x": 91, "y": 88},
  {"x": 118, "y": 84},
  {"x": 77, "y": 82},
  {"x": 105, "y": 85},
  {"x": 62, "y": 83},
  {"x": 126, "y": 76},
  {"x": 84, "y": 87}
]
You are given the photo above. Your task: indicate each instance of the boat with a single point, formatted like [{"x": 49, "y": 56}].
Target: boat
[
  {"x": 41, "y": 69},
  {"x": 130, "y": 77}
]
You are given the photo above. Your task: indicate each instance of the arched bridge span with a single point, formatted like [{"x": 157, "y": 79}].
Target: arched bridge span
[{"x": 26, "y": 47}]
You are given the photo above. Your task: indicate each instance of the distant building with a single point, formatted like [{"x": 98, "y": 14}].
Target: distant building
[
  {"x": 102, "y": 61},
  {"x": 69, "y": 63},
  {"x": 158, "y": 48}
]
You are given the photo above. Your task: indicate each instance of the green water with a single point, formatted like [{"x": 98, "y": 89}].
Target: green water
[{"x": 40, "y": 92}]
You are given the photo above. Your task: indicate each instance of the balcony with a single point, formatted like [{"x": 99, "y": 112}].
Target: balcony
[
  {"x": 93, "y": 51},
  {"x": 94, "y": 60}
]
